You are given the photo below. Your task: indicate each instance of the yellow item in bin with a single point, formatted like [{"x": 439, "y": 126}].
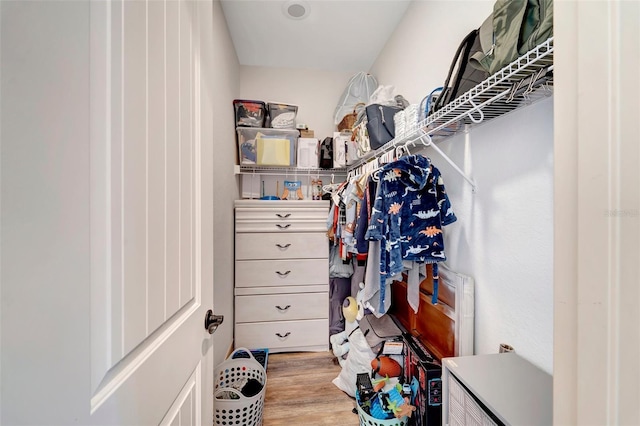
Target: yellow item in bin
[{"x": 273, "y": 152}]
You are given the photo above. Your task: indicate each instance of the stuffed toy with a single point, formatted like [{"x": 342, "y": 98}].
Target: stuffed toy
[
  {"x": 340, "y": 341},
  {"x": 352, "y": 343}
]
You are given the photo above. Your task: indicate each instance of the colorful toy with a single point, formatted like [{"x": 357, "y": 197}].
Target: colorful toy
[
  {"x": 291, "y": 188},
  {"x": 352, "y": 343},
  {"x": 386, "y": 366},
  {"x": 395, "y": 405}
]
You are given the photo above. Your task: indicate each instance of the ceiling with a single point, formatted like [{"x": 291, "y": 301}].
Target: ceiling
[{"x": 334, "y": 35}]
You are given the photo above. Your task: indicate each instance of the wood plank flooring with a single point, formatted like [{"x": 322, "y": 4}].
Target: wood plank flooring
[{"x": 300, "y": 392}]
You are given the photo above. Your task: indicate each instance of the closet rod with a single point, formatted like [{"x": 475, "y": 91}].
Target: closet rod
[{"x": 359, "y": 170}]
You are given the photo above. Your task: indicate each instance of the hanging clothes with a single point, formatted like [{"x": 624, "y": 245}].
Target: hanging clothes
[
  {"x": 410, "y": 209},
  {"x": 364, "y": 216}
]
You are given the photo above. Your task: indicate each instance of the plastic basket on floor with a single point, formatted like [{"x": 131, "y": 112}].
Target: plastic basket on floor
[
  {"x": 242, "y": 411},
  {"x": 367, "y": 420}
]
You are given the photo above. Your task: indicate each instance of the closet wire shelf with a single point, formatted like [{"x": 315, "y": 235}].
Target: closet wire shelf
[
  {"x": 523, "y": 82},
  {"x": 290, "y": 171}
]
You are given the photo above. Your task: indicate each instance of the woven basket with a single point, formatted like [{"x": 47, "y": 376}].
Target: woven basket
[{"x": 349, "y": 120}]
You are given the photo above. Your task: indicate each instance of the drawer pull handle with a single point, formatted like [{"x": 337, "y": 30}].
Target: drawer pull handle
[
  {"x": 285, "y": 335},
  {"x": 280, "y": 246},
  {"x": 283, "y": 226},
  {"x": 281, "y": 309},
  {"x": 283, "y": 216},
  {"x": 283, "y": 274}
]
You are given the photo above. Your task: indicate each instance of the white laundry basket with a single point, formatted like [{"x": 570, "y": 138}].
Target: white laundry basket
[{"x": 243, "y": 411}]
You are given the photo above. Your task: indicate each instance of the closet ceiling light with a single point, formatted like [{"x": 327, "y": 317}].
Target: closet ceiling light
[{"x": 296, "y": 9}]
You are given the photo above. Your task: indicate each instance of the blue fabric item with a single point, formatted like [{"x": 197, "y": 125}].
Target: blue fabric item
[
  {"x": 410, "y": 209},
  {"x": 436, "y": 281},
  {"x": 362, "y": 244}
]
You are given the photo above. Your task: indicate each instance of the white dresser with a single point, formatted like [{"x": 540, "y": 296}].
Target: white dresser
[{"x": 282, "y": 275}]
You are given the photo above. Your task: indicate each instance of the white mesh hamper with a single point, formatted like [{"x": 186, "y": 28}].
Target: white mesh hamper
[{"x": 243, "y": 411}]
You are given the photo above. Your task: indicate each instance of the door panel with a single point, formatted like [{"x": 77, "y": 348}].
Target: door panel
[
  {"x": 185, "y": 153},
  {"x": 172, "y": 190},
  {"x": 157, "y": 165},
  {"x": 133, "y": 190},
  {"x": 151, "y": 183},
  {"x": 102, "y": 265},
  {"x": 185, "y": 409}
]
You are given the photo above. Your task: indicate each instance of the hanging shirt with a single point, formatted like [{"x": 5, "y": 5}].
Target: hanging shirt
[{"x": 410, "y": 209}]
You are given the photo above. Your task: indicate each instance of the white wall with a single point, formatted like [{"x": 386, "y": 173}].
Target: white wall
[
  {"x": 223, "y": 84},
  {"x": 504, "y": 234}
]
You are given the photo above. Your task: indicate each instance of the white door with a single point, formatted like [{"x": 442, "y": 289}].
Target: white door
[{"x": 106, "y": 243}]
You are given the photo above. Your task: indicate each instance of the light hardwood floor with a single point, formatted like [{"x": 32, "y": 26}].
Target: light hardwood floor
[{"x": 300, "y": 392}]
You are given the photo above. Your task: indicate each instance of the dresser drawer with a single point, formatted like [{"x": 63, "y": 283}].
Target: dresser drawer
[
  {"x": 283, "y": 334},
  {"x": 283, "y": 211},
  {"x": 281, "y": 225},
  {"x": 258, "y": 273},
  {"x": 281, "y": 246},
  {"x": 280, "y": 307}
]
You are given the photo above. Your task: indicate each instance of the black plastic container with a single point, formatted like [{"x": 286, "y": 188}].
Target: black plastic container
[{"x": 249, "y": 113}]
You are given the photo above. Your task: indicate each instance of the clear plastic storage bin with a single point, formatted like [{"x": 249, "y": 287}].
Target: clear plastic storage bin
[
  {"x": 267, "y": 147},
  {"x": 282, "y": 116}
]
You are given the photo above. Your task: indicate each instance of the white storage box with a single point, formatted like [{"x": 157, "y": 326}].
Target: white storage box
[
  {"x": 267, "y": 147},
  {"x": 340, "y": 140},
  {"x": 308, "y": 153}
]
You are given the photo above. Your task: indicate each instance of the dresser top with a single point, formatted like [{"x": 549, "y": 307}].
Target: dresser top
[{"x": 282, "y": 203}]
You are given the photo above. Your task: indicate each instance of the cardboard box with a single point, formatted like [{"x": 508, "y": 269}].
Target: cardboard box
[{"x": 307, "y": 133}]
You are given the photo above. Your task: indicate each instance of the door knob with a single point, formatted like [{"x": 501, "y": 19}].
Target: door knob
[{"x": 211, "y": 321}]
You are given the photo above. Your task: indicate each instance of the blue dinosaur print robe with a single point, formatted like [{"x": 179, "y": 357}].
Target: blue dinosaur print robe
[{"x": 410, "y": 209}]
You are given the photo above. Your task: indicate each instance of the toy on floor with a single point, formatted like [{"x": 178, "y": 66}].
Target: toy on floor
[
  {"x": 364, "y": 387},
  {"x": 391, "y": 404},
  {"x": 379, "y": 384},
  {"x": 352, "y": 343},
  {"x": 340, "y": 341},
  {"x": 386, "y": 366}
]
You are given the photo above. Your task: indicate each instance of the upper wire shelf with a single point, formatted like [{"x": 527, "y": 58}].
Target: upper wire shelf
[
  {"x": 524, "y": 81},
  {"x": 290, "y": 171}
]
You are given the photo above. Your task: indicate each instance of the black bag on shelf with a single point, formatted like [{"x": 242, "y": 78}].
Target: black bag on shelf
[
  {"x": 326, "y": 153},
  {"x": 466, "y": 77},
  {"x": 380, "y": 124}
]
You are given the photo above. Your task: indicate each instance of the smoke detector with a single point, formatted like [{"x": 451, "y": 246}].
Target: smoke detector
[{"x": 296, "y": 9}]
